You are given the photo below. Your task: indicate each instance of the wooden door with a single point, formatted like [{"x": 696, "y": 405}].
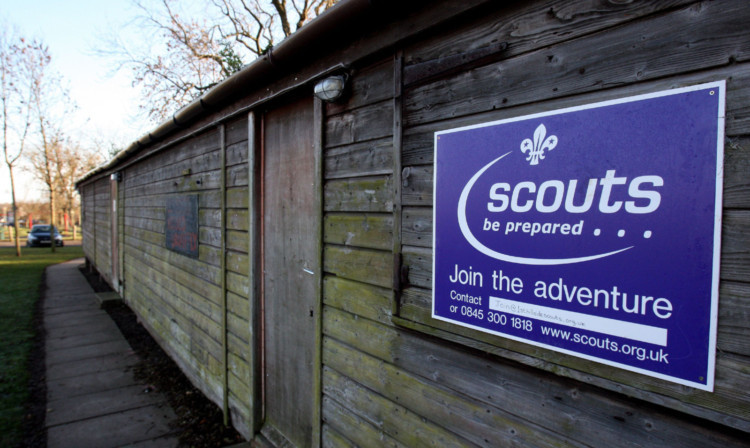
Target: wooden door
[{"x": 290, "y": 263}]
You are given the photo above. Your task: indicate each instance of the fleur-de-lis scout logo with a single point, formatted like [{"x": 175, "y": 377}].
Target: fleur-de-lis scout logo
[{"x": 540, "y": 143}]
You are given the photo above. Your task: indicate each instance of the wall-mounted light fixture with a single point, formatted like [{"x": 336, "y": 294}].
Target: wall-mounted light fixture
[{"x": 331, "y": 88}]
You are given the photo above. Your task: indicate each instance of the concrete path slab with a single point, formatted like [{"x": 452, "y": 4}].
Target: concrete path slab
[
  {"x": 114, "y": 430},
  {"x": 83, "y": 407},
  {"x": 72, "y": 319},
  {"x": 90, "y": 383},
  {"x": 71, "y": 295},
  {"x": 79, "y": 340},
  {"x": 86, "y": 352},
  {"x": 122, "y": 361},
  {"x": 161, "y": 442},
  {"x": 93, "y": 399},
  {"x": 85, "y": 328},
  {"x": 66, "y": 303},
  {"x": 67, "y": 309}
]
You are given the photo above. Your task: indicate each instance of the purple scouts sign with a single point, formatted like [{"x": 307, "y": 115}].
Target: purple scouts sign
[{"x": 592, "y": 231}]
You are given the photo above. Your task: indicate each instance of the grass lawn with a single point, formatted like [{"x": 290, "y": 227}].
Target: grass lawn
[{"x": 19, "y": 291}]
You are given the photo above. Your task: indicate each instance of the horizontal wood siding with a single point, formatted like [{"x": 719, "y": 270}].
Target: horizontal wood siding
[
  {"x": 103, "y": 228},
  {"x": 562, "y": 54},
  {"x": 87, "y": 222},
  {"x": 237, "y": 282},
  {"x": 179, "y": 298},
  {"x": 358, "y": 237}
]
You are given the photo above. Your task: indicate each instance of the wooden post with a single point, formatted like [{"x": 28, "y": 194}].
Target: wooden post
[
  {"x": 319, "y": 125},
  {"x": 224, "y": 345},
  {"x": 114, "y": 242},
  {"x": 93, "y": 227},
  {"x": 397, "y": 141},
  {"x": 255, "y": 313},
  {"x": 121, "y": 234}
]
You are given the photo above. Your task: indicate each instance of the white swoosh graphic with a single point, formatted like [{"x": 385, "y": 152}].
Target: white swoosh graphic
[{"x": 501, "y": 256}]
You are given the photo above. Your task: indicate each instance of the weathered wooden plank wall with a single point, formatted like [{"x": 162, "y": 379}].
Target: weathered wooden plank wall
[
  {"x": 102, "y": 223},
  {"x": 88, "y": 236},
  {"x": 177, "y": 297},
  {"x": 180, "y": 299},
  {"x": 358, "y": 235},
  {"x": 384, "y": 382},
  {"x": 237, "y": 265}
]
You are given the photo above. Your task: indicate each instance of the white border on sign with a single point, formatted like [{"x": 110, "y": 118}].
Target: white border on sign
[{"x": 721, "y": 86}]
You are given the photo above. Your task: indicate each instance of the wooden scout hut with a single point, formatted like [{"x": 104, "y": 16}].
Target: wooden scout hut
[{"x": 280, "y": 248}]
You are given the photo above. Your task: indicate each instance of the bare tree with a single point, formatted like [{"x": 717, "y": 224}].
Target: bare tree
[
  {"x": 71, "y": 163},
  {"x": 22, "y": 62},
  {"x": 51, "y": 105},
  {"x": 257, "y": 27},
  {"x": 42, "y": 162},
  {"x": 193, "y": 52},
  {"x": 37, "y": 210},
  {"x": 57, "y": 162}
]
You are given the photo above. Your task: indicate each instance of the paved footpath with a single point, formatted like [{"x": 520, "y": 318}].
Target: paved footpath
[{"x": 93, "y": 399}]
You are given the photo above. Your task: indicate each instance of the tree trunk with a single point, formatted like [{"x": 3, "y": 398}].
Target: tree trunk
[
  {"x": 52, "y": 219},
  {"x": 15, "y": 211}
]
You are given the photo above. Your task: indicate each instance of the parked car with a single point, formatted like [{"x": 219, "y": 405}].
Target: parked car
[{"x": 40, "y": 236}]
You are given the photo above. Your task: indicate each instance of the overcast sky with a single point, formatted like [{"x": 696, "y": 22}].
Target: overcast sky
[{"x": 107, "y": 103}]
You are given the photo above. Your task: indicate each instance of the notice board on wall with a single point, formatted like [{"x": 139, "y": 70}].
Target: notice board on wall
[
  {"x": 182, "y": 224},
  {"x": 592, "y": 231}
]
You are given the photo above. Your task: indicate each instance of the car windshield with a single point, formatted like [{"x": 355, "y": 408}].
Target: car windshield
[{"x": 40, "y": 229}]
